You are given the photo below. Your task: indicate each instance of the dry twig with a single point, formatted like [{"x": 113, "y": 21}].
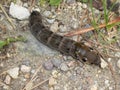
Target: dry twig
[
  {"x": 33, "y": 77},
  {"x": 81, "y": 31},
  {"x": 40, "y": 83},
  {"x": 8, "y": 18},
  {"x": 32, "y": 5}
]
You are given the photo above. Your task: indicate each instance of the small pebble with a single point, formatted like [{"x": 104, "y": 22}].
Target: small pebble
[
  {"x": 47, "y": 13},
  {"x": 56, "y": 62},
  {"x": 74, "y": 23},
  {"x": 50, "y": 20},
  {"x": 14, "y": 72},
  {"x": 55, "y": 73},
  {"x": 52, "y": 81},
  {"x": 48, "y": 65},
  {"x": 64, "y": 67},
  {"x": 94, "y": 87},
  {"x": 27, "y": 76},
  {"x": 117, "y": 54},
  {"x": 107, "y": 83},
  {"x": 5, "y": 87},
  {"x": 7, "y": 79},
  {"x": 26, "y": 62},
  {"x": 79, "y": 8},
  {"x": 25, "y": 68},
  {"x": 103, "y": 63},
  {"x": 54, "y": 27},
  {"x": 62, "y": 28},
  {"x": 32, "y": 71},
  {"x": 84, "y": 6},
  {"x": 70, "y": 1},
  {"x": 109, "y": 59},
  {"x": 118, "y": 63}
]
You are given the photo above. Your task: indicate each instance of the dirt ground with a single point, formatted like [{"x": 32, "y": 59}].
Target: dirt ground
[{"x": 34, "y": 66}]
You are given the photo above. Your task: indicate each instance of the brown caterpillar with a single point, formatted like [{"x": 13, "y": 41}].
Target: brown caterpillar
[{"x": 65, "y": 45}]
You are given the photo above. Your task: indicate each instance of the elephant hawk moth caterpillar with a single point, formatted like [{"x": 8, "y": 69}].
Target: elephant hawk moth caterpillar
[{"x": 77, "y": 50}]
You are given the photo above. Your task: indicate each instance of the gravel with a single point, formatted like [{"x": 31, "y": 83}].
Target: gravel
[
  {"x": 56, "y": 62},
  {"x": 118, "y": 64},
  {"x": 48, "y": 65},
  {"x": 7, "y": 79},
  {"x": 54, "y": 27},
  {"x": 25, "y": 68},
  {"x": 64, "y": 67},
  {"x": 14, "y": 72}
]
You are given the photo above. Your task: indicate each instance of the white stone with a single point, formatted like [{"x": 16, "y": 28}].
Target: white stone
[
  {"x": 94, "y": 87},
  {"x": 50, "y": 20},
  {"x": 109, "y": 59},
  {"x": 107, "y": 83},
  {"x": 47, "y": 13},
  {"x": 118, "y": 63},
  {"x": 25, "y": 68},
  {"x": 103, "y": 63},
  {"x": 18, "y": 12},
  {"x": 84, "y": 6},
  {"x": 14, "y": 72},
  {"x": 7, "y": 79}
]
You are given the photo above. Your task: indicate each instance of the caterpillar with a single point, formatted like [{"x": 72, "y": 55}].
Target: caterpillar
[{"x": 77, "y": 50}]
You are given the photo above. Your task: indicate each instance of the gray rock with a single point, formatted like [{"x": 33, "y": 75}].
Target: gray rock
[
  {"x": 26, "y": 62},
  {"x": 56, "y": 62},
  {"x": 70, "y": 1},
  {"x": 48, "y": 65},
  {"x": 64, "y": 67}
]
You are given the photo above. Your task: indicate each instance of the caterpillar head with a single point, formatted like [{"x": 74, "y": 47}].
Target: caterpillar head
[{"x": 87, "y": 55}]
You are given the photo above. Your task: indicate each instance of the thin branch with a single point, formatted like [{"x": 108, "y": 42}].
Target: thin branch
[
  {"x": 8, "y": 18},
  {"x": 33, "y": 77},
  {"x": 40, "y": 83},
  {"x": 32, "y": 5},
  {"x": 81, "y": 31}
]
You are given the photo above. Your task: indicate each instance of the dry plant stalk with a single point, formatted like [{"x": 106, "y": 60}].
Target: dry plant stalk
[
  {"x": 8, "y": 18},
  {"x": 81, "y": 31}
]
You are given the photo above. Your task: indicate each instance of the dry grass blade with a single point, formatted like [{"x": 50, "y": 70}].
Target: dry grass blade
[
  {"x": 32, "y": 5},
  {"x": 81, "y": 31},
  {"x": 8, "y": 18},
  {"x": 40, "y": 83},
  {"x": 113, "y": 74},
  {"x": 32, "y": 79}
]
